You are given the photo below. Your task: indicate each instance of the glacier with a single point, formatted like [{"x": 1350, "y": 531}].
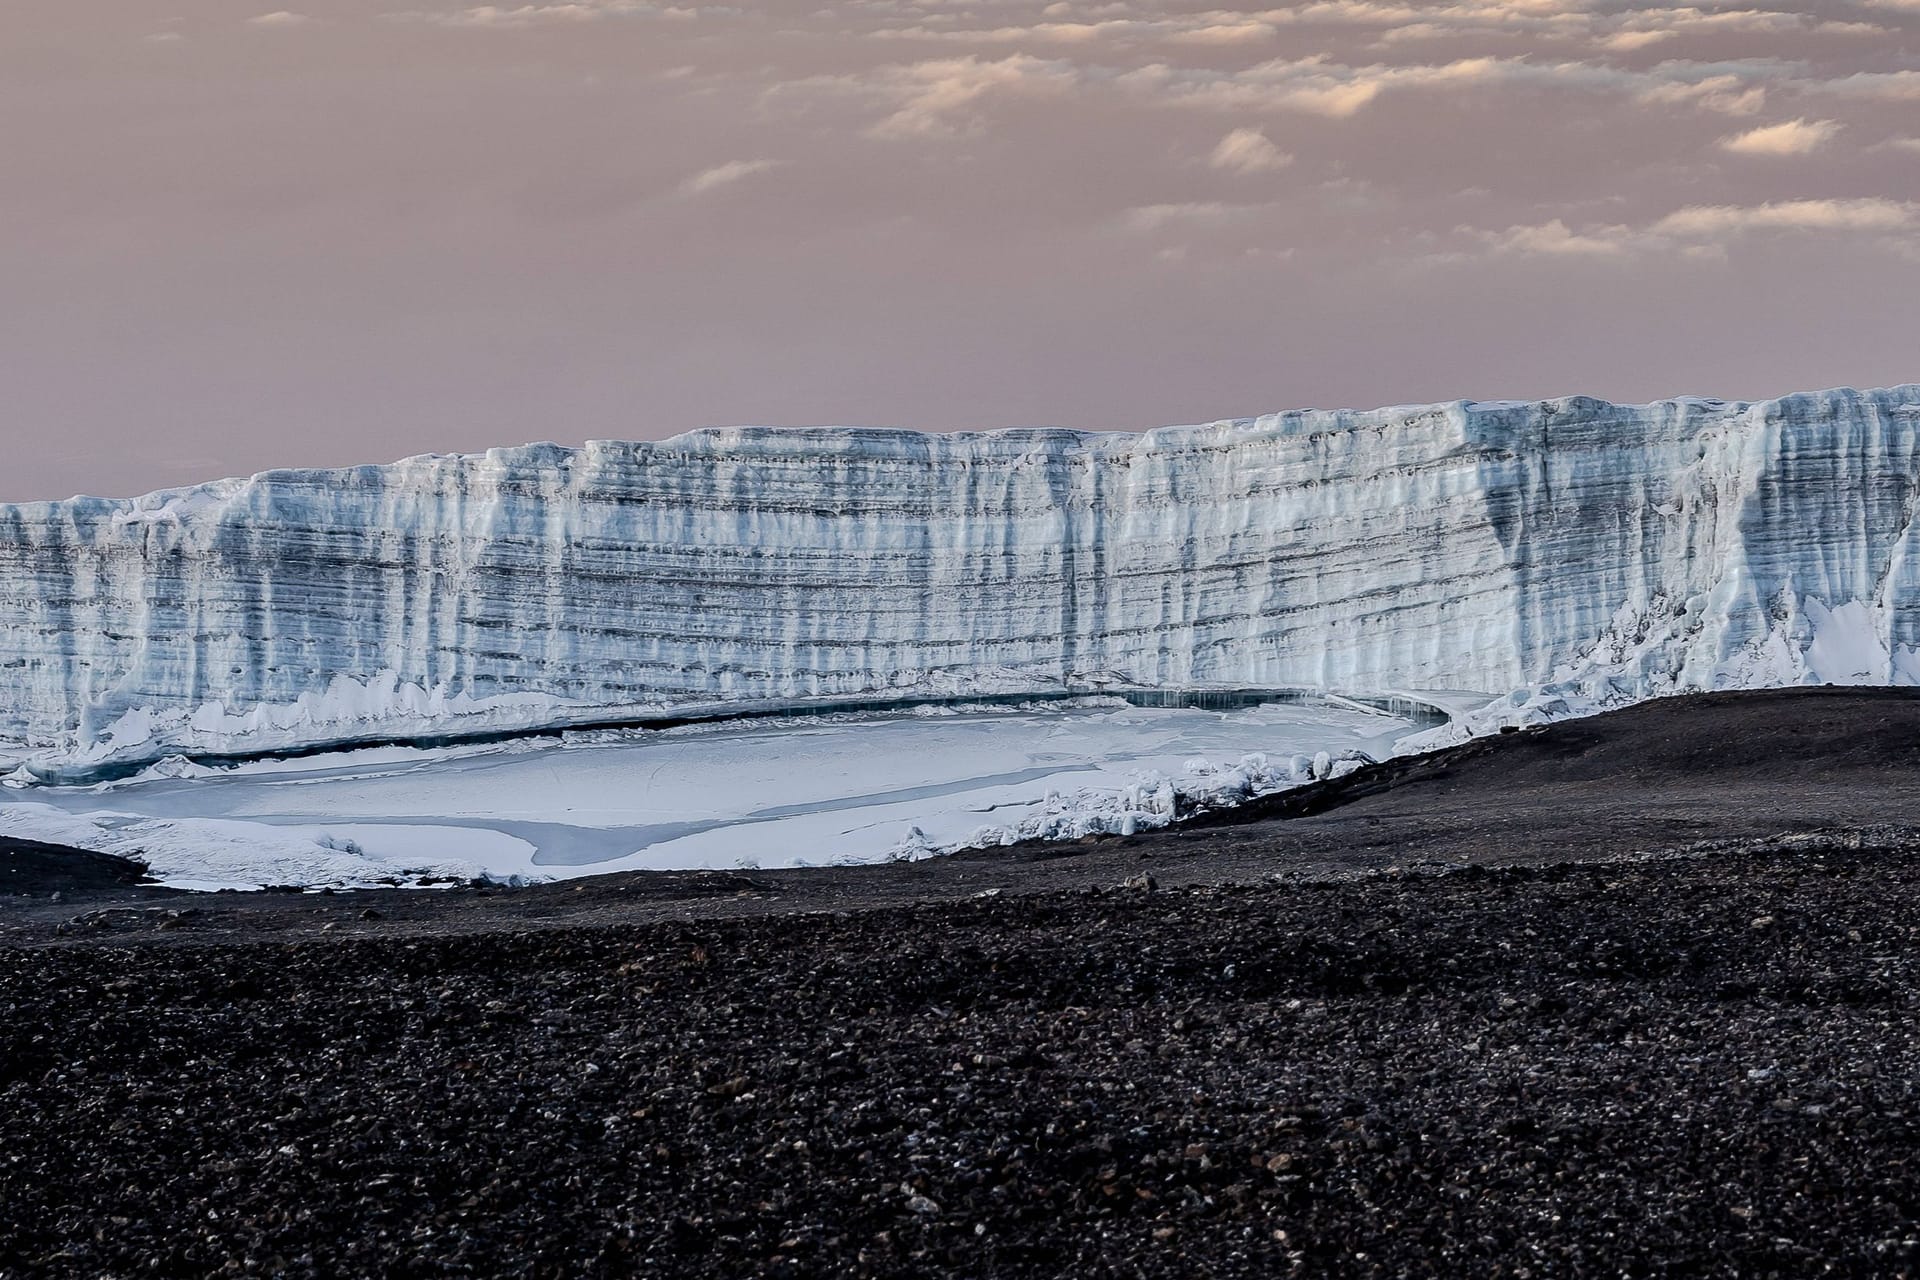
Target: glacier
[{"x": 1544, "y": 555}]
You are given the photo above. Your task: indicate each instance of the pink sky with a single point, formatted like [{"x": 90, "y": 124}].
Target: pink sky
[{"x": 238, "y": 238}]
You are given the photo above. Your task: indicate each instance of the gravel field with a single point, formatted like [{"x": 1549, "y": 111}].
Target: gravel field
[{"x": 1704, "y": 1062}]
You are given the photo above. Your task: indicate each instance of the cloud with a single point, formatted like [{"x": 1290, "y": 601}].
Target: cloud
[
  {"x": 942, "y": 97},
  {"x": 1313, "y": 85},
  {"x": 1604, "y": 27},
  {"x": 1319, "y": 86},
  {"x": 722, "y": 175},
  {"x": 1722, "y": 220},
  {"x": 1149, "y": 218},
  {"x": 946, "y": 97},
  {"x": 1628, "y": 41},
  {"x": 1247, "y": 151},
  {"x": 279, "y": 18},
  {"x": 1556, "y": 239},
  {"x": 1038, "y": 33},
  {"x": 1207, "y": 28},
  {"x": 1688, "y": 20},
  {"x": 1704, "y": 231},
  {"x": 1890, "y": 86},
  {"x": 1728, "y": 95},
  {"x": 1519, "y": 15},
  {"x": 1793, "y": 138},
  {"x": 1225, "y": 33},
  {"x": 527, "y": 15},
  {"x": 1611, "y": 26}
]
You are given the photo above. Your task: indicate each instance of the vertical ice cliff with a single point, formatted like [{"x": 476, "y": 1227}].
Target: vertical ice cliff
[{"x": 1572, "y": 543}]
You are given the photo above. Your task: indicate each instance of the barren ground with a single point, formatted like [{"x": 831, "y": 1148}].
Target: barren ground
[{"x": 1443, "y": 1017}]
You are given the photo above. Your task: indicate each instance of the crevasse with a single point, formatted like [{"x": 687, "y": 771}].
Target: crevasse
[{"x": 1566, "y": 545}]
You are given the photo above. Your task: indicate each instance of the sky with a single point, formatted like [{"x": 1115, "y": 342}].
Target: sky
[{"x": 234, "y": 237}]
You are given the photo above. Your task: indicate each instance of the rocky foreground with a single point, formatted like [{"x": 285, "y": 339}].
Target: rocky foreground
[{"x": 1703, "y": 1062}]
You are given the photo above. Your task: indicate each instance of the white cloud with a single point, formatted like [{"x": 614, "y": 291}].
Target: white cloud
[
  {"x": 1616, "y": 28},
  {"x": 1728, "y": 95},
  {"x": 722, "y": 175},
  {"x": 1314, "y": 85},
  {"x": 279, "y": 18},
  {"x": 947, "y": 96},
  {"x": 1628, "y": 41},
  {"x": 1705, "y": 231},
  {"x": 1063, "y": 32},
  {"x": 1038, "y": 33},
  {"x": 527, "y": 15},
  {"x": 1687, "y": 20},
  {"x": 1247, "y": 151},
  {"x": 1207, "y": 28},
  {"x": 1854, "y": 29},
  {"x": 1721, "y": 220},
  {"x": 942, "y": 97},
  {"x": 1320, "y": 86},
  {"x": 1556, "y": 239},
  {"x": 488, "y": 15},
  {"x": 1225, "y": 33},
  {"x": 1890, "y": 86},
  {"x": 1148, "y": 218},
  {"x": 1792, "y": 138},
  {"x": 1518, "y": 15}
]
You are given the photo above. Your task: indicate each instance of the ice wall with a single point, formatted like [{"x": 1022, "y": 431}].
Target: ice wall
[{"x": 1622, "y": 549}]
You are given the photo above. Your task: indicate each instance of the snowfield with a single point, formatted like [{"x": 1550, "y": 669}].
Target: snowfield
[{"x": 759, "y": 794}]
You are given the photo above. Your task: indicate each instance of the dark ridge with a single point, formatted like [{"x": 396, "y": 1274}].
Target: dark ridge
[
  {"x": 1817, "y": 735},
  {"x": 30, "y": 867}
]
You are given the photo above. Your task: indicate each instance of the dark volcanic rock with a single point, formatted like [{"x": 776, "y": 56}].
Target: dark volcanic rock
[
  {"x": 1598, "y": 1070},
  {"x": 29, "y": 867}
]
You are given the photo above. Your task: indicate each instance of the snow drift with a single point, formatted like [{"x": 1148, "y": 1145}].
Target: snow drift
[{"x": 1566, "y": 548}]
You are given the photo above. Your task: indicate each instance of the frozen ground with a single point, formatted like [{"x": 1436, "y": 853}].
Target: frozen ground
[{"x": 767, "y": 794}]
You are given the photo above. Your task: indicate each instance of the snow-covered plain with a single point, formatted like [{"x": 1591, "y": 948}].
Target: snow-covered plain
[{"x": 843, "y": 788}]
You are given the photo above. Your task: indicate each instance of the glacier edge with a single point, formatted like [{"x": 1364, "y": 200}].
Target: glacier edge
[{"x": 1576, "y": 552}]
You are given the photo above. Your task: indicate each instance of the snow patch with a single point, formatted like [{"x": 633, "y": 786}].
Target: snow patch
[{"x": 1848, "y": 645}]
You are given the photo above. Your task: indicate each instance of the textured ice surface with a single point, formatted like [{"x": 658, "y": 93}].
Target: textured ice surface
[
  {"x": 837, "y": 789},
  {"x": 1567, "y": 549}
]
